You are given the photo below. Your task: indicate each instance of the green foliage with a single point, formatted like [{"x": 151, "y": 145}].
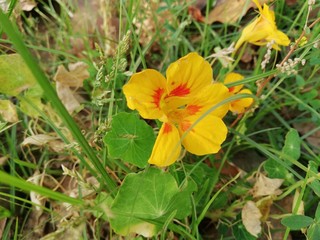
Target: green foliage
[
  {"x": 130, "y": 139},
  {"x": 145, "y": 200},
  {"x": 106, "y": 145},
  {"x": 292, "y": 145},
  {"x": 296, "y": 222}
]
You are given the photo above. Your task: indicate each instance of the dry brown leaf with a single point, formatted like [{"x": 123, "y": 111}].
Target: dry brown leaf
[
  {"x": 265, "y": 186},
  {"x": 38, "y": 140},
  {"x": 3, "y": 159},
  {"x": 77, "y": 73},
  {"x": 27, "y": 5},
  {"x": 229, "y": 11},
  {"x": 2, "y": 226},
  {"x": 67, "y": 97},
  {"x": 8, "y": 111},
  {"x": 66, "y": 80},
  {"x": 295, "y": 201},
  {"x": 57, "y": 145},
  {"x": 251, "y": 215}
]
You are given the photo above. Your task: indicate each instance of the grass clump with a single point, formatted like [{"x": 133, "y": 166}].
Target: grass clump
[{"x": 95, "y": 144}]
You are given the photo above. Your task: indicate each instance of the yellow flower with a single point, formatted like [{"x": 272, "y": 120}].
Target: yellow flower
[
  {"x": 238, "y": 106},
  {"x": 178, "y": 101},
  {"x": 263, "y": 30}
]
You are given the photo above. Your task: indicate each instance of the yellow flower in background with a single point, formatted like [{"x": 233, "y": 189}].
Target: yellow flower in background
[
  {"x": 263, "y": 30},
  {"x": 178, "y": 101},
  {"x": 238, "y": 106}
]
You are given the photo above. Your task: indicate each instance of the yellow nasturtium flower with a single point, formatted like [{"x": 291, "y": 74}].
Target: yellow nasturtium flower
[
  {"x": 178, "y": 101},
  {"x": 238, "y": 106},
  {"x": 263, "y": 30}
]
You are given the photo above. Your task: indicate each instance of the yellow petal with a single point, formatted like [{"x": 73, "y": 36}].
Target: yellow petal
[
  {"x": 233, "y": 77},
  {"x": 187, "y": 76},
  {"x": 258, "y": 4},
  {"x": 206, "y": 137},
  {"x": 207, "y": 98},
  {"x": 144, "y": 92},
  {"x": 247, "y": 33},
  {"x": 167, "y": 147},
  {"x": 263, "y": 30},
  {"x": 239, "y": 106}
]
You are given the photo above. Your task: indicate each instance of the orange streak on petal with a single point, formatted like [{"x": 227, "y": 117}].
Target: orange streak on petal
[
  {"x": 193, "y": 109},
  {"x": 181, "y": 90},
  {"x": 157, "y": 96},
  {"x": 231, "y": 89},
  {"x": 167, "y": 128},
  {"x": 185, "y": 125}
]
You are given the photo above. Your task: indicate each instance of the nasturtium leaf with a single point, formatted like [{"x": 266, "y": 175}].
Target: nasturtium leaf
[
  {"x": 130, "y": 139},
  {"x": 274, "y": 169},
  {"x": 292, "y": 144},
  {"x": 296, "y": 222},
  {"x": 240, "y": 232},
  {"x": 15, "y": 75},
  {"x": 144, "y": 202},
  {"x": 315, "y": 186},
  {"x": 317, "y": 215}
]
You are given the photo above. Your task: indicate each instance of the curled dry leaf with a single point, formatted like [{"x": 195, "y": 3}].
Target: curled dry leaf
[
  {"x": 27, "y": 5},
  {"x": 3, "y": 159},
  {"x": 251, "y": 215},
  {"x": 8, "y": 111},
  {"x": 265, "y": 186},
  {"x": 68, "y": 82},
  {"x": 229, "y": 11},
  {"x": 77, "y": 73},
  {"x": 38, "y": 140}
]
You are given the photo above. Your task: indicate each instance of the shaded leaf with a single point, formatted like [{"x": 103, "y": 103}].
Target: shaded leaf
[
  {"x": 130, "y": 139},
  {"x": 240, "y": 232},
  {"x": 296, "y": 222}
]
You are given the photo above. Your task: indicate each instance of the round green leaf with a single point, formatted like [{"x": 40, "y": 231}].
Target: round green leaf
[
  {"x": 296, "y": 222},
  {"x": 292, "y": 145},
  {"x": 130, "y": 139},
  {"x": 146, "y": 200},
  {"x": 274, "y": 169}
]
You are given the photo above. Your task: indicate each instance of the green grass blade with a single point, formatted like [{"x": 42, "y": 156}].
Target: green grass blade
[
  {"x": 52, "y": 97},
  {"x": 27, "y": 186}
]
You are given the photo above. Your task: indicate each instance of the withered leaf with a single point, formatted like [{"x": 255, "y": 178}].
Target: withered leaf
[
  {"x": 8, "y": 111},
  {"x": 265, "y": 186},
  {"x": 229, "y": 11},
  {"x": 251, "y": 218},
  {"x": 38, "y": 140}
]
